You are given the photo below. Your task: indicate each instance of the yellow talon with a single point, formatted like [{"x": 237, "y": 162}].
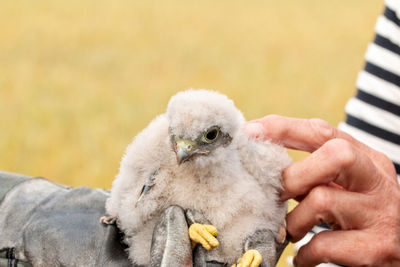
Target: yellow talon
[
  {"x": 251, "y": 258},
  {"x": 204, "y": 234}
]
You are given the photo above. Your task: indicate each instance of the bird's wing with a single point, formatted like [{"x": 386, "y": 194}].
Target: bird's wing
[
  {"x": 147, "y": 186},
  {"x": 143, "y": 158},
  {"x": 264, "y": 161}
]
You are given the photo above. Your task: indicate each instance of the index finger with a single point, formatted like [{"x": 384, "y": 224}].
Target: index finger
[
  {"x": 308, "y": 135},
  {"x": 300, "y": 134}
]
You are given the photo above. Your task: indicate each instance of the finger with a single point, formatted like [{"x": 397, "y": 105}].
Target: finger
[
  {"x": 211, "y": 229},
  {"x": 337, "y": 161},
  {"x": 300, "y": 134},
  {"x": 307, "y": 135},
  {"x": 330, "y": 205},
  {"x": 335, "y": 247}
]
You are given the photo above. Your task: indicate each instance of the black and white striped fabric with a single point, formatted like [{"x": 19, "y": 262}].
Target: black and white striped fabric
[{"x": 373, "y": 114}]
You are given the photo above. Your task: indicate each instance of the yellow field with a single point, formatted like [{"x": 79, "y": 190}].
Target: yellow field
[{"x": 80, "y": 78}]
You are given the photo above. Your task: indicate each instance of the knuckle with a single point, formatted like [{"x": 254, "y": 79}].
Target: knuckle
[
  {"x": 347, "y": 155},
  {"x": 342, "y": 152},
  {"x": 324, "y": 131},
  {"x": 317, "y": 248},
  {"x": 275, "y": 122},
  {"x": 319, "y": 198},
  {"x": 289, "y": 184},
  {"x": 388, "y": 249},
  {"x": 371, "y": 259},
  {"x": 387, "y": 163}
]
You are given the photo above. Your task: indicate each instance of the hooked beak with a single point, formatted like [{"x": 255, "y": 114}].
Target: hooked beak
[{"x": 184, "y": 149}]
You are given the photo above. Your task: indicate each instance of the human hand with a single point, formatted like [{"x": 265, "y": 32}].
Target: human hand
[{"x": 342, "y": 182}]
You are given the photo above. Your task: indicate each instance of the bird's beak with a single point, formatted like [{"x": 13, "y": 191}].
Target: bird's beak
[{"x": 184, "y": 149}]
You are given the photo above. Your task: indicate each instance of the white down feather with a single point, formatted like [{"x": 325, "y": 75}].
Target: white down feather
[{"x": 235, "y": 187}]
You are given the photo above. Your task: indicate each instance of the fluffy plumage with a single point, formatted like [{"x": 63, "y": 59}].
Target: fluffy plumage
[{"x": 235, "y": 185}]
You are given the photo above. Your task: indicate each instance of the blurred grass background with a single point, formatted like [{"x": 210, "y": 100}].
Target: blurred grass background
[{"x": 80, "y": 78}]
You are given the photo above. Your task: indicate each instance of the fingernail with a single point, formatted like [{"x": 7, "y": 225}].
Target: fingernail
[{"x": 254, "y": 129}]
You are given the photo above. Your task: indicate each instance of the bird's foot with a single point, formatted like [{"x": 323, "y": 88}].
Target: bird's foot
[
  {"x": 204, "y": 234},
  {"x": 251, "y": 258},
  {"x": 109, "y": 220}
]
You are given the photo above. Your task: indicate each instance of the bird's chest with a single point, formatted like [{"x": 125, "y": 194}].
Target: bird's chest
[
  {"x": 190, "y": 193},
  {"x": 217, "y": 199}
]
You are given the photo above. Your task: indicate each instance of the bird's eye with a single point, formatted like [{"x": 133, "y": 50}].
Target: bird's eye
[{"x": 211, "y": 135}]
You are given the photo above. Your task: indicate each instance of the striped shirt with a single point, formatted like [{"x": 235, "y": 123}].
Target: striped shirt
[{"x": 373, "y": 114}]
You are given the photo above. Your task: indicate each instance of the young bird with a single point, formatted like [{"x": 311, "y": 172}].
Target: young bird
[{"x": 198, "y": 157}]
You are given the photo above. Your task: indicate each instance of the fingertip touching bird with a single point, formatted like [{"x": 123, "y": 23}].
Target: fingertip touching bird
[{"x": 197, "y": 156}]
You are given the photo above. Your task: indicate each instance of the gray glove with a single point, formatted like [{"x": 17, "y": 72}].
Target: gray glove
[{"x": 46, "y": 224}]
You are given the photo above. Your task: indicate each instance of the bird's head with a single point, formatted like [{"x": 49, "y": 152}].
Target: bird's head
[{"x": 201, "y": 122}]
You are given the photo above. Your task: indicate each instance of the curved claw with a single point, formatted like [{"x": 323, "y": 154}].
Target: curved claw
[
  {"x": 251, "y": 258},
  {"x": 281, "y": 234},
  {"x": 109, "y": 220},
  {"x": 204, "y": 234}
]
